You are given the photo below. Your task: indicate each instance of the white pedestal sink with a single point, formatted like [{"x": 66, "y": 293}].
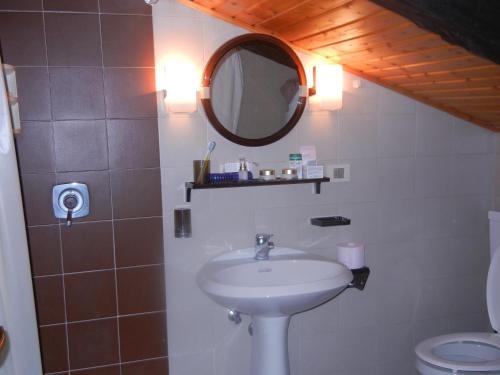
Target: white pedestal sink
[{"x": 271, "y": 291}]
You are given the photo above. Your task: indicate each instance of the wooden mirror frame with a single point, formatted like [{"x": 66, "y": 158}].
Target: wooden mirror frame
[{"x": 206, "y": 85}]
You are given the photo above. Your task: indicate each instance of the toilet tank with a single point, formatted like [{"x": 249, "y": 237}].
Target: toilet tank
[{"x": 494, "y": 217}]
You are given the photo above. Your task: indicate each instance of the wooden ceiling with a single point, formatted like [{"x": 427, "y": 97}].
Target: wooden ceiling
[{"x": 379, "y": 45}]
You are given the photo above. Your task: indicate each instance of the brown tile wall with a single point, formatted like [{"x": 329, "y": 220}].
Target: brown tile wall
[{"x": 87, "y": 97}]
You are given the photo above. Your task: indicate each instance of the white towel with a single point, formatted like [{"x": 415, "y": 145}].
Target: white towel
[{"x": 5, "y": 124}]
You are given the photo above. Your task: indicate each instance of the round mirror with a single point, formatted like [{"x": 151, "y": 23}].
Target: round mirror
[{"x": 254, "y": 90}]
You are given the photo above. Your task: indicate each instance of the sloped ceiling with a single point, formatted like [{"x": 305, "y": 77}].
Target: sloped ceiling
[{"x": 386, "y": 47}]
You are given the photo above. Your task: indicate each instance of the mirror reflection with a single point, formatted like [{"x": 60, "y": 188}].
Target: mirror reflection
[{"x": 255, "y": 89}]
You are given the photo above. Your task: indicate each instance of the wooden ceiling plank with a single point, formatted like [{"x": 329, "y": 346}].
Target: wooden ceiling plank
[
  {"x": 201, "y": 8},
  {"x": 257, "y": 4},
  {"x": 413, "y": 60},
  {"x": 210, "y": 4},
  {"x": 410, "y": 76},
  {"x": 250, "y": 12},
  {"x": 459, "y": 101},
  {"x": 441, "y": 52},
  {"x": 478, "y": 108},
  {"x": 347, "y": 32},
  {"x": 372, "y": 45},
  {"x": 468, "y": 97},
  {"x": 460, "y": 94},
  {"x": 485, "y": 111},
  {"x": 459, "y": 89},
  {"x": 306, "y": 10},
  {"x": 233, "y": 8},
  {"x": 400, "y": 55},
  {"x": 487, "y": 116},
  {"x": 281, "y": 13},
  {"x": 398, "y": 39},
  {"x": 258, "y": 11},
  {"x": 379, "y": 22},
  {"x": 336, "y": 17},
  {"x": 451, "y": 83},
  {"x": 419, "y": 64},
  {"x": 437, "y": 76},
  {"x": 454, "y": 66},
  {"x": 379, "y": 52}
]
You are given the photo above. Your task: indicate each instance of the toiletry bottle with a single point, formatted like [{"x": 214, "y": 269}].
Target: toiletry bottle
[
  {"x": 243, "y": 172},
  {"x": 295, "y": 162}
]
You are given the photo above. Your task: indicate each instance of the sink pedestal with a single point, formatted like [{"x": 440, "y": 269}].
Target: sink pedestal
[{"x": 270, "y": 345}]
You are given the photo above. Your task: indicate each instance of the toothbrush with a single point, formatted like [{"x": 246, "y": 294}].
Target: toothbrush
[{"x": 210, "y": 148}]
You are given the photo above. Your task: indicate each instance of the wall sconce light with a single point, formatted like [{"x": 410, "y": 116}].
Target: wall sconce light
[
  {"x": 180, "y": 86},
  {"x": 326, "y": 93}
]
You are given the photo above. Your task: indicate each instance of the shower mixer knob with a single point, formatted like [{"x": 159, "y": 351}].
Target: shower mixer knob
[{"x": 70, "y": 201}]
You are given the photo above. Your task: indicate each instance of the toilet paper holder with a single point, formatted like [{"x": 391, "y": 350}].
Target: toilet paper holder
[{"x": 360, "y": 277}]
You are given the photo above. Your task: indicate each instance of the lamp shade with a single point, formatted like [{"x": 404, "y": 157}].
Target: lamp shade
[
  {"x": 181, "y": 84},
  {"x": 329, "y": 83}
]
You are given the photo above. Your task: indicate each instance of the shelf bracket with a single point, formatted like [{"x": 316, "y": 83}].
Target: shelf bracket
[
  {"x": 360, "y": 277},
  {"x": 317, "y": 187}
]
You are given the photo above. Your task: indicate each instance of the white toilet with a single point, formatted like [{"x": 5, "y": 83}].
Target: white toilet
[{"x": 469, "y": 353}]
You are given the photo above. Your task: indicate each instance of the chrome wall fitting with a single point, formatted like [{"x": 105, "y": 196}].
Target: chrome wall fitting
[
  {"x": 70, "y": 201},
  {"x": 234, "y": 316}
]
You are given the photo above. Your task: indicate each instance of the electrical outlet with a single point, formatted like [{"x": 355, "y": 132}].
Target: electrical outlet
[{"x": 339, "y": 172}]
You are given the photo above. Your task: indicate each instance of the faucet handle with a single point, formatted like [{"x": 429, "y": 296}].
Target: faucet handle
[{"x": 261, "y": 238}]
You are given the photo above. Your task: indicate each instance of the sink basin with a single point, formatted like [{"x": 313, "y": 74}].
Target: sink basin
[
  {"x": 271, "y": 291},
  {"x": 289, "y": 282}
]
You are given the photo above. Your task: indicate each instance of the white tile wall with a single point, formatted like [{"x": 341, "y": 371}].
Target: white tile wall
[
  {"x": 396, "y": 126},
  {"x": 421, "y": 185},
  {"x": 434, "y": 131},
  {"x": 357, "y": 135}
]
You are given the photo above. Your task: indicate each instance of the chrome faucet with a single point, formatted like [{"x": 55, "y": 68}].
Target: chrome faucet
[{"x": 263, "y": 246}]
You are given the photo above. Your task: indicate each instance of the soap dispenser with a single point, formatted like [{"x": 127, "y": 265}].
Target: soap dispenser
[{"x": 243, "y": 171}]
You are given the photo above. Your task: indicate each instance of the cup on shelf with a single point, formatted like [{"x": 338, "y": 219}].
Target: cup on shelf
[{"x": 201, "y": 170}]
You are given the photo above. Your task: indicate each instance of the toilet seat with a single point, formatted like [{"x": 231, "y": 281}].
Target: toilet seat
[
  {"x": 469, "y": 353},
  {"x": 466, "y": 352}
]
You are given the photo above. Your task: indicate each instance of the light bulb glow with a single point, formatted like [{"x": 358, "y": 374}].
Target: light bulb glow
[
  {"x": 329, "y": 84},
  {"x": 181, "y": 82}
]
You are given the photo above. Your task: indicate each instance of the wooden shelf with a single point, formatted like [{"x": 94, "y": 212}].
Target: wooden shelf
[{"x": 237, "y": 184}]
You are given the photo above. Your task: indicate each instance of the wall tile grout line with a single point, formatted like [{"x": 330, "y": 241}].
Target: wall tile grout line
[
  {"x": 101, "y": 270},
  {"x": 72, "y": 12},
  {"x": 110, "y": 189},
  {"x": 98, "y": 221},
  {"x": 68, "y": 359},
  {"x": 95, "y": 170},
  {"x": 87, "y": 67},
  {"x": 110, "y": 365},
  {"x": 110, "y": 194},
  {"x": 145, "y": 313}
]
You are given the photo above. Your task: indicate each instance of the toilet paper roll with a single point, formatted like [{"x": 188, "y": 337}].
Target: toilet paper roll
[{"x": 351, "y": 254}]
